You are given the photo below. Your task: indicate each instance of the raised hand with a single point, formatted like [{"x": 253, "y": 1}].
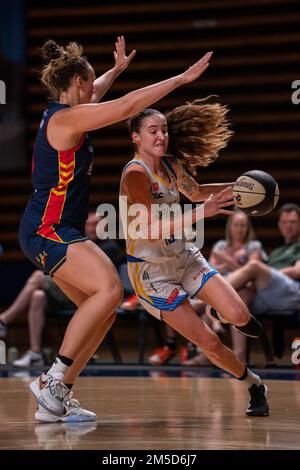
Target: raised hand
[
  {"x": 194, "y": 71},
  {"x": 121, "y": 59},
  {"x": 215, "y": 203}
]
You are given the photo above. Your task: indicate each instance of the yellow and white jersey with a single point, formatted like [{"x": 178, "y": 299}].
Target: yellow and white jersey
[
  {"x": 166, "y": 199},
  {"x": 164, "y": 273}
]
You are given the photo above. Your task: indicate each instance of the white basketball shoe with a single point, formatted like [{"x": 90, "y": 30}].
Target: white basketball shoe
[
  {"x": 74, "y": 413},
  {"x": 50, "y": 393}
]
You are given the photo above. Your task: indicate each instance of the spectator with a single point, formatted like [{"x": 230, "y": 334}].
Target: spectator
[
  {"x": 276, "y": 284},
  {"x": 230, "y": 254},
  {"x": 37, "y": 296},
  {"x": 110, "y": 247},
  {"x": 41, "y": 295}
]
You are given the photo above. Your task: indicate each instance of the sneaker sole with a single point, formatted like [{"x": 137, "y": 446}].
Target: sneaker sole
[
  {"x": 222, "y": 320},
  {"x": 258, "y": 415},
  {"x": 34, "y": 387},
  {"x": 236, "y": 328},
  {"x": 45, "y": 418}
]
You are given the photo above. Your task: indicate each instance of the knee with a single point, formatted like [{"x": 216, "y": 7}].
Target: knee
[
  {"x": 37, "y": 278},
  {"x": 240, "y": 314},
  {"x": 116, "y": 292},
  {"x": 38, "y": 297},
  {"x": 254, "y": 265}
]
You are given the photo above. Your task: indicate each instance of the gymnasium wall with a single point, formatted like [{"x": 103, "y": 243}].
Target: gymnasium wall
[{"x": 256, "y": 59}]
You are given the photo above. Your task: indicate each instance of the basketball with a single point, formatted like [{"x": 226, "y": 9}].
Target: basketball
[{"x": 256, "y": 193}]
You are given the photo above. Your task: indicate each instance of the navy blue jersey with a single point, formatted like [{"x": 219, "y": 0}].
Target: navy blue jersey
[
  {"x": 56, "y": 213},
  {"x": 61, "y": 181}
]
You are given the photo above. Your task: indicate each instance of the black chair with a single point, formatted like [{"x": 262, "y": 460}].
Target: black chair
[
  {"x": 279, "y": 320},
  {"x": 143, "y": 317},
  {"x": 145, "y": 320}
]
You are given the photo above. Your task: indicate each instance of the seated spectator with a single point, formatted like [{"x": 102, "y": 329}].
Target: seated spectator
[
  {"x": 276, "y": 284},
  {"x": 41, "y": 295},
  {"x": 110, "y": 247}
]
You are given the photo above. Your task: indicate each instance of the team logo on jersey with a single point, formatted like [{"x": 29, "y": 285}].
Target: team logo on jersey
[
  {"x": 41, "y": 258},
  {"x": 173, "y": 295},
  {"x": 158, "y": 195},
  {"x": 155, "y": 186}
]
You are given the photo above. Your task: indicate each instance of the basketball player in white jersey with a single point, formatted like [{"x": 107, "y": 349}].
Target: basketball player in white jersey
[{"x": 166, "y": 273}]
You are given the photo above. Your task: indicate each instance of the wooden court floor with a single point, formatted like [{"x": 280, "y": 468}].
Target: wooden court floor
[{"x": 149, "y": 413}]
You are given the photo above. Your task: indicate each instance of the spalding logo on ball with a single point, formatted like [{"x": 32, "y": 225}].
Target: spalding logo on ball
[{"x": 256, "y": 193}]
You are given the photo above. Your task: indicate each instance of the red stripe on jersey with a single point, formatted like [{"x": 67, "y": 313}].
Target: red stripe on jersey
[
  {"x": 57, "y": 196},
  {"x": 32, "y": 163}
]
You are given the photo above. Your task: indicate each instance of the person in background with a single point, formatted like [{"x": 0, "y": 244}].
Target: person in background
[
  {"x": 110, "y": 247},
  {"x": 275, "y": 284},
  {"x": 40, "y": 296},
  {"x": 238, "y": 247}
]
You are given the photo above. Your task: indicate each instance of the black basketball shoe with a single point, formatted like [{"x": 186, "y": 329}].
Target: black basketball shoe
[
  {"x": 258, "y": 405},
  {"x": 253, "y": 328}
]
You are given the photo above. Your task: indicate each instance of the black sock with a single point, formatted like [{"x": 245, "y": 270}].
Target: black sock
[
  {"x": 65, "y": 360},
  {"x": 244, "y": 374},
  {"x": 171, "y": 343},
  {"x": 69, "y": 386}
]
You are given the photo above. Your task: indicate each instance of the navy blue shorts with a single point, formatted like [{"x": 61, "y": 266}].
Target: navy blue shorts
[{"x": 47, "y": 247}]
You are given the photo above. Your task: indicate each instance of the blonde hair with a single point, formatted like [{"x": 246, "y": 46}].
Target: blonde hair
[
  {"x": 198, "y": 131},
  {"x": 62, "y": 64}
]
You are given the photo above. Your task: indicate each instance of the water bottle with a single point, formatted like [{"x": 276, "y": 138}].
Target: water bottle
[{"x": 296, "y": 352}]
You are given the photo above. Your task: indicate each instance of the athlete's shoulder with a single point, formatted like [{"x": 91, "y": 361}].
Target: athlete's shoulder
[
  {"x": 135, "y": 166},
  {"x": 174, "y": 165}
]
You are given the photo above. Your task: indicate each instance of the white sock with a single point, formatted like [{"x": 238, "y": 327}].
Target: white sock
[
  {"x": 58, "y": 369},
  {"x": 249, "y": 378}
]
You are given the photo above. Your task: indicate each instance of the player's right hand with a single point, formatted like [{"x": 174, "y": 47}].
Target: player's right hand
[{"x": 216, "y": 202}]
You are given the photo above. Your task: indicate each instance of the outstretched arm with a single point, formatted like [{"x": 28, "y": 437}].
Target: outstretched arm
[
  {"x": 81, "y": 118},
  {"x": 191, "y": 189},
  {"x": 122, "y": 61},
  {"x": 135, "y": 185}
]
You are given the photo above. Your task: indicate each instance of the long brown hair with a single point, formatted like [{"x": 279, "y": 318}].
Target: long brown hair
[
  {"x": 197, "y": 132},
  {"x": 250, "y": 235}
]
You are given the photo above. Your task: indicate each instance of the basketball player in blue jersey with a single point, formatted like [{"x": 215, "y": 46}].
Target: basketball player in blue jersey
[
  {"x": 166, "y": 273},
  {"x": 51, "y": 230}
]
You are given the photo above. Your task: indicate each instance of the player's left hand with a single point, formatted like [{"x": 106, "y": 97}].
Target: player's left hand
[{"x": 121, "y": 59}]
